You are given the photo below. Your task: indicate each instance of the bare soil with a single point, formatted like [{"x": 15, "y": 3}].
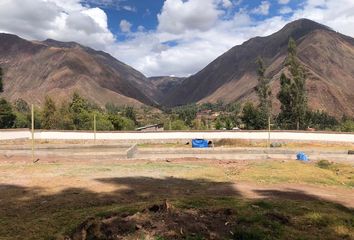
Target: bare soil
[
  {"x": 162, "y": 220},
  {"x": 66, "y": 197}
]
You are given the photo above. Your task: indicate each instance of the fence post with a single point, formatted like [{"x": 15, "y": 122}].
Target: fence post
[
  {"x": 32, "y": 130},
  {"x": 268, "y": 132},
  {"x": 94, "y": 127}
]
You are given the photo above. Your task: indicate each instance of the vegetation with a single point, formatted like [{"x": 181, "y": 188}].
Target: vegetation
[
  {"x": 7, "y": 117},
  {"x": 252, "y": 117},
  {"x": 78, "y": 113},
  {"x": 1, "y": 84},
  {"x": 264, "y": 95},
  {"x": 292, "y": 95},
  {"x": 32, "y": 212}
]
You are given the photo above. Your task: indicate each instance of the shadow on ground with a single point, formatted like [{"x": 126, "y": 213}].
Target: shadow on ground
[{"x": 30, "y": 213}]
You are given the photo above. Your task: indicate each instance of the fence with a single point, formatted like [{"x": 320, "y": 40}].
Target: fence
[{"x": 178, "y": 135}]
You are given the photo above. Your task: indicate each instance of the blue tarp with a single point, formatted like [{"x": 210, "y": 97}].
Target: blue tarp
[
  {"x": 200, "y": 143},
  {"x": 301, "y": 156}
]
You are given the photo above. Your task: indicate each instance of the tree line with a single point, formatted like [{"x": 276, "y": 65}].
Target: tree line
[{"x": 78, "y": 112}]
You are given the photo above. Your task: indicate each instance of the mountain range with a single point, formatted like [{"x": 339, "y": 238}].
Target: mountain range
[{"x": 34, "y": 69}]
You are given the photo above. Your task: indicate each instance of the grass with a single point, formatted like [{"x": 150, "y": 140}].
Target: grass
[
  {"x": 271, "y": 172},
  {"x": 44, "y": 201},
  {"x": 283, "y": 219},
  {"x": 287, "y": 144}
]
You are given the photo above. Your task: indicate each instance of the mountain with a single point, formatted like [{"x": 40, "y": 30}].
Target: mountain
[
  {"x": 164, "y": 86},
  {"x": 327, "y": 56},
  {"x": 34, "y": 69}
]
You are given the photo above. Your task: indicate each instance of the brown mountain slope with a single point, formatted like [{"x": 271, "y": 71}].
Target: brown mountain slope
[
  {"x": 35, "y": 69},
  {"x": 328, "y": 57},
  {"x": 164, "y": 86}
]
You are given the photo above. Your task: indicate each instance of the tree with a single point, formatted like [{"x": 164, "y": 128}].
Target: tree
[
  {"x": 178, "y": 125},
  {"x": 22, "y": 120},
  {"x": 22, "y": 112},
  {"x": 347, "y": 126},
  {"x": 251, "y": 117},
  {"x": 79, "y": 109},
  {"x": 121, "y": 123},
  {"x": 103, "y": 122},
  {"x": 286, "y": 102},
  {"x": 65, "y": 118},
  {"x": 129, "y": 112},
  {"x": 1, "y": 84},
  {"x": 292, "y": 95},
  {"x": 49, "y": 117},
  {"x": 264, "y": 94},
  {"x": 218, "y": 124},
  {"x": 21, "y": 106},
  {"x": 7, "y": 117},
  {"x": 320, "y": 120}
]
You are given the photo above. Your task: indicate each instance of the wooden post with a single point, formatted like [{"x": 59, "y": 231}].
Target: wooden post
[
  {"x": 32, "y": 130},
  {"x": 268, "y": 132},
  {"x": 94, "y": 127}
]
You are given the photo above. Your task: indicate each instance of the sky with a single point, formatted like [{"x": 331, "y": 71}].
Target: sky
[{"x": 166, "y": 37}]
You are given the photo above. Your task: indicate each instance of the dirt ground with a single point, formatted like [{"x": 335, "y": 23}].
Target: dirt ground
[{"x": 52, "y": 197}]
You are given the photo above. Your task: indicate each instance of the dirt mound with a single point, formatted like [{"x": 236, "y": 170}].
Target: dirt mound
[{"x": 160, "y": 222}]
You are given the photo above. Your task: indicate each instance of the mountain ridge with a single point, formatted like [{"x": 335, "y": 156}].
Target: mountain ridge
[
  {"x": 232, "y": 76},
  {"x": 34, "y": 69}
]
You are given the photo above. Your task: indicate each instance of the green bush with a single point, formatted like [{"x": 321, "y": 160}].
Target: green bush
[
  {"x": 22, "y": 120},
  {"x": 325, "y": 164},
  {"x": 121, "y": 123},
  {"x": 347, "y": 126},
  {"x": 179, "y": 125},
  {"x": 7, "y": 117}
]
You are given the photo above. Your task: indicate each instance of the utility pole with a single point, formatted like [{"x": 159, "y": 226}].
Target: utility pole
[{"x": 32, "y": 127}]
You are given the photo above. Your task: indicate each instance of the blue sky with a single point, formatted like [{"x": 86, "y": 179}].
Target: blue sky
[
  {"x": 144, "y": 12},
  {"x": 166, "y": 37}
]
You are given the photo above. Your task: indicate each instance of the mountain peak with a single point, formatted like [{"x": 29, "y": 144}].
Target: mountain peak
[
  {"x": 301, "y": 27},
  {"x": 55, "y": 43}
]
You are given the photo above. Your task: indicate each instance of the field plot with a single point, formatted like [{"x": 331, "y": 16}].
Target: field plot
[{"x": 62, "y": 198}]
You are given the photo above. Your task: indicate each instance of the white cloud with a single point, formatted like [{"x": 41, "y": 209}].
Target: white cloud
[
  {"x": 190, "y": 34},
  {"x": 262, "y": 9},
  {"x": 61, "y": 20},
  {"x": 337, "y": 14},
  {"x": 129, "y": 8},
  {"x": 125, "y": 26},
  {"x": 285, "y": 10},
  {"x": 226, "y": 3},
  {"x": 283, "y": 1},
  {"x": 178, "y": 16}
]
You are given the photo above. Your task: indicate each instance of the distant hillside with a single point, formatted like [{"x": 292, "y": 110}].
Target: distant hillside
[
  {"x": 164, "y": 86},
  {"x": 328, "y": 57},
  {"x": 35, "y": 69}
]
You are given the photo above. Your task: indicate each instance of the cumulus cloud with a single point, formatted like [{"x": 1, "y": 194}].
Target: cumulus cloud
[
  {"x": 178, "y": 16},
  {"x": 226, "y": 3},
  {"x": 285, "y": 10},
  {"x": 190, "y": 33},
  {"x": 262, "y": 9},
  {"x": 125, "y": 26},
  {"x": 61, "y": 20},
  {"x": 283, "y": 1}
]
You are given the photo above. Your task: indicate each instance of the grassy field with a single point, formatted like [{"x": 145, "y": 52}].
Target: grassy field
[
  {"x": 268, "y": 200},
  {"x": 329, "y": 146}
]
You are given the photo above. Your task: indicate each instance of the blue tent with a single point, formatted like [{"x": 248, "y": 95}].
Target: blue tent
[{"x": 200, "y": 143}]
